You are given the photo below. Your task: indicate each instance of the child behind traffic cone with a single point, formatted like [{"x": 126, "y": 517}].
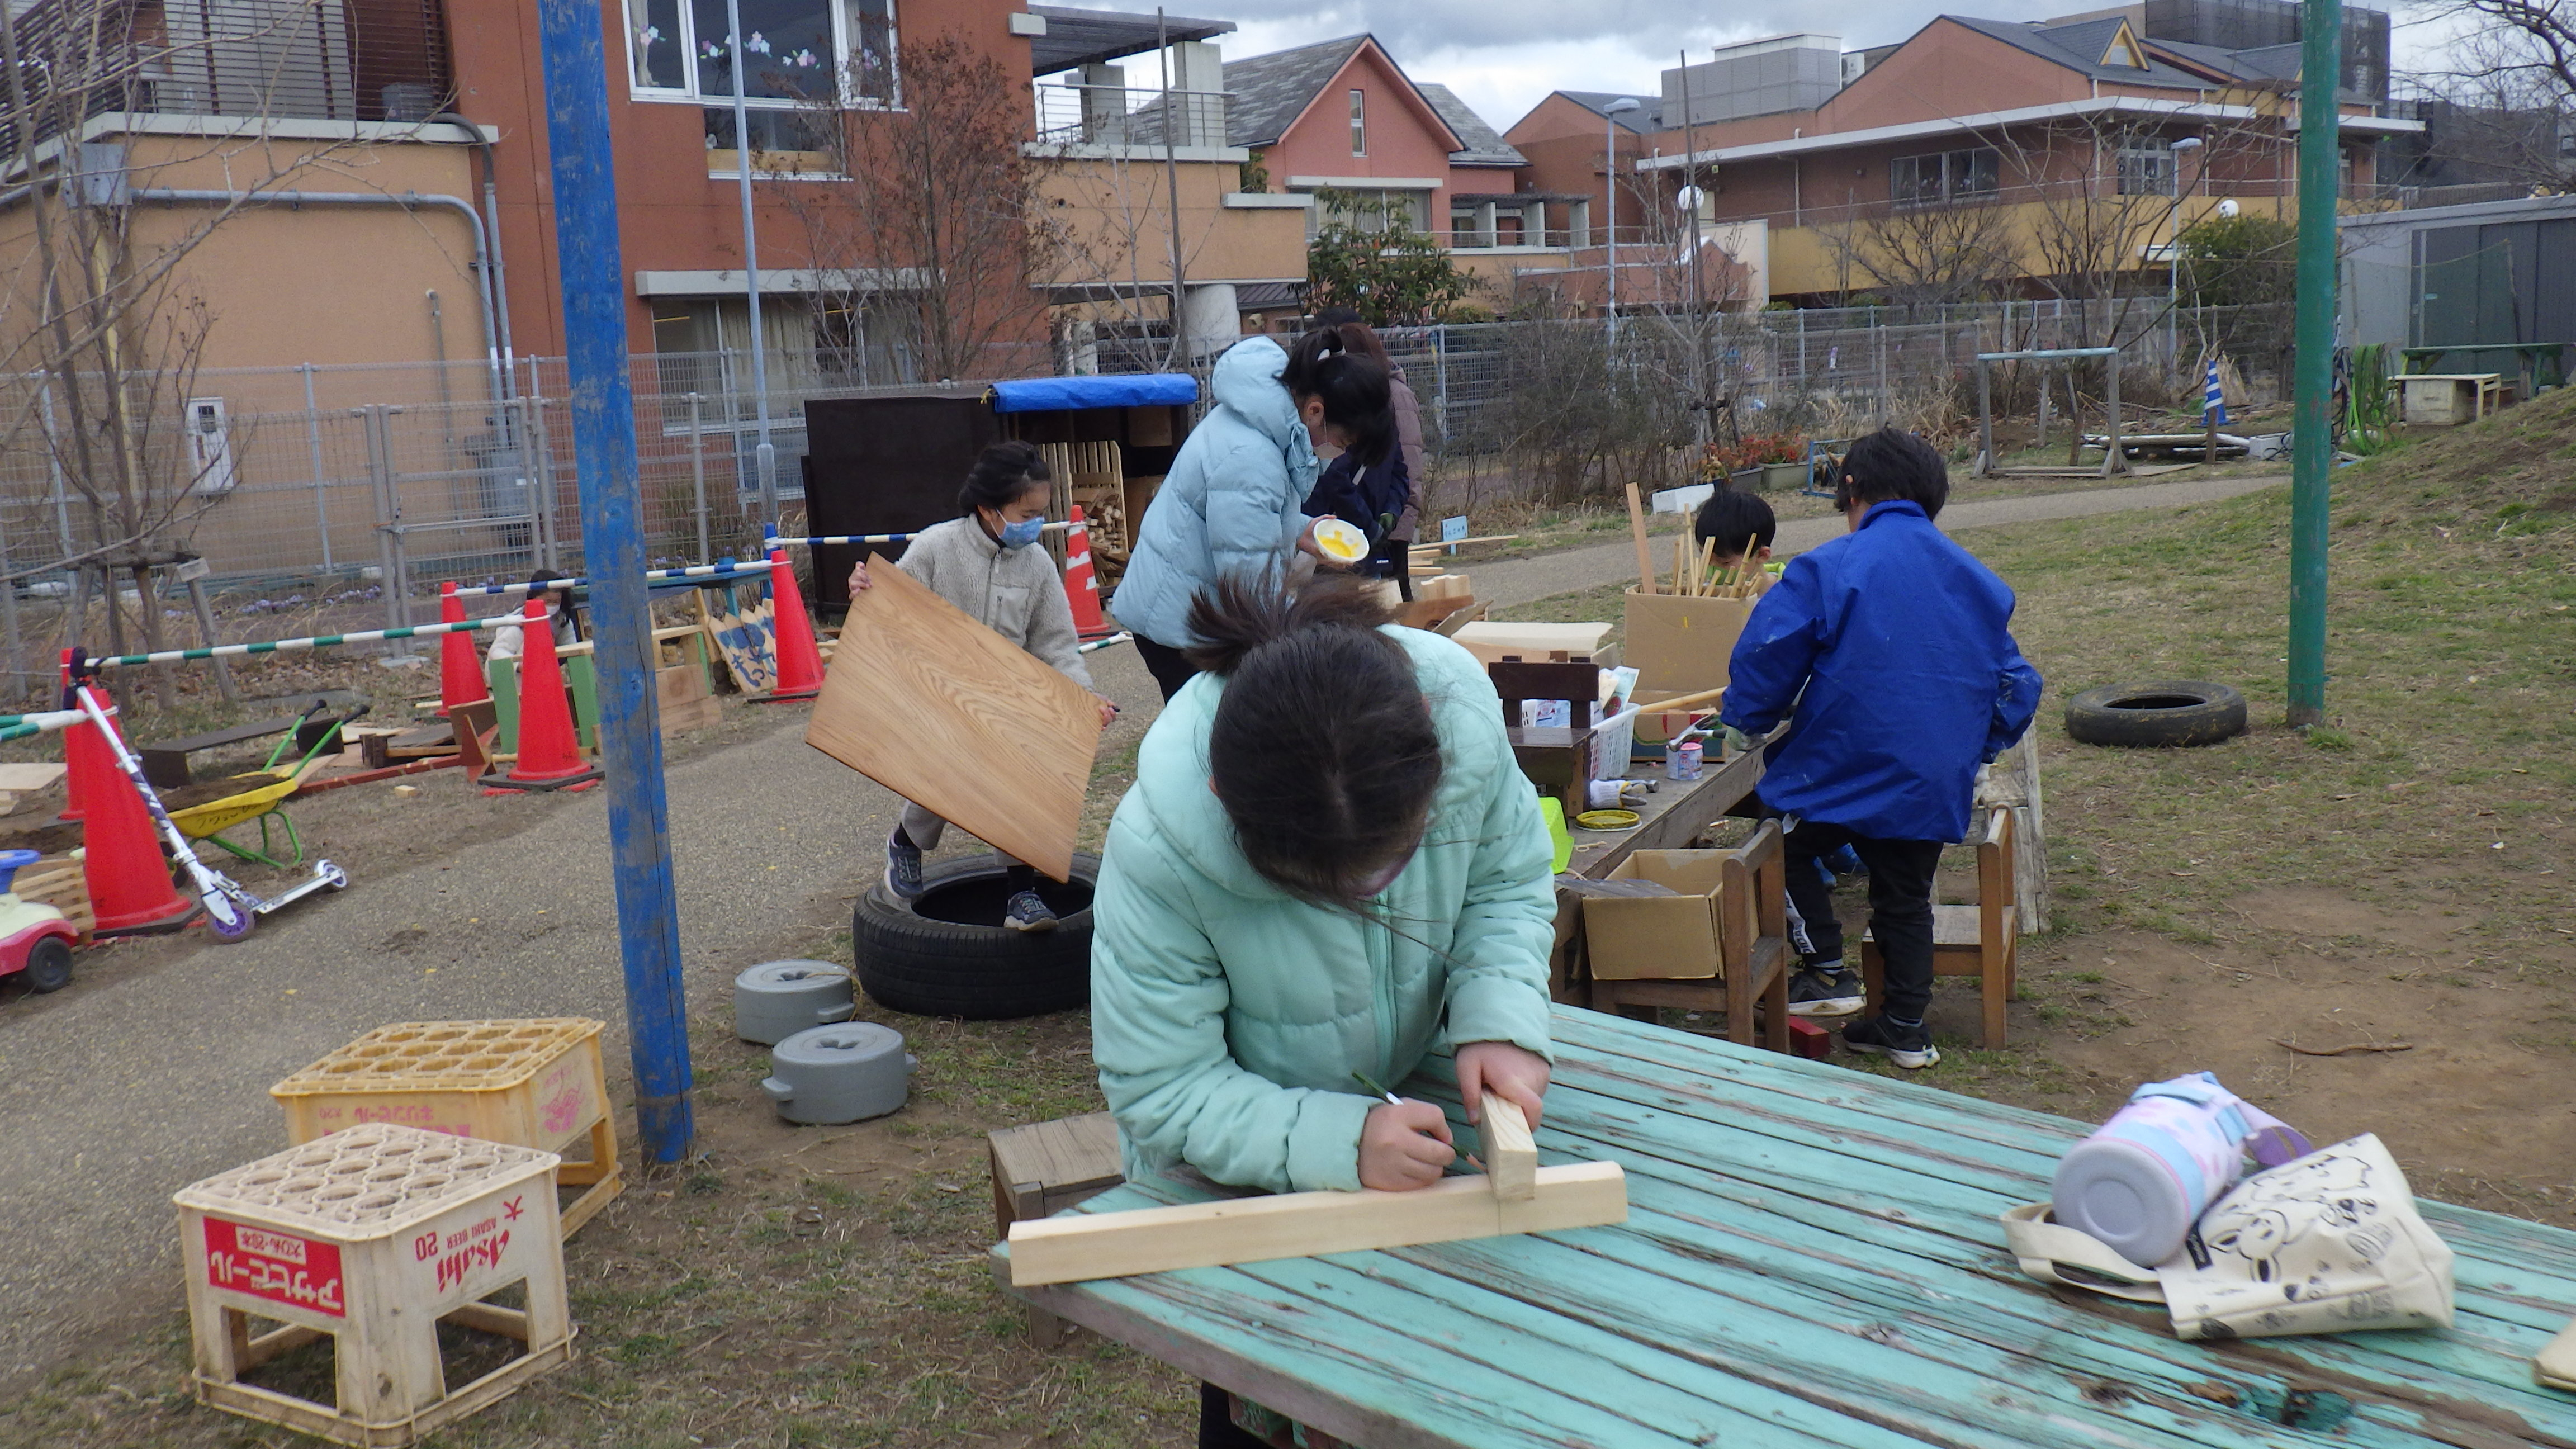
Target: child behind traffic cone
[{"x": 549, "y": 754}]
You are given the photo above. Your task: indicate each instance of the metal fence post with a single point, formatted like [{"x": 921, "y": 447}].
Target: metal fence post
[
  {"x": 313, "y": 441},
  {"x": 549, "y": 549},
  {"x": 388, "y": 512},
  {"x": 698, "y": 472},
  {"x": 603, "y": 415}
]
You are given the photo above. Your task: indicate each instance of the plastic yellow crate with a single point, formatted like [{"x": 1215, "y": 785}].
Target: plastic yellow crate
[
  {"x": 370, "y": 1237},
  {"x": 531, "y": 1083}
]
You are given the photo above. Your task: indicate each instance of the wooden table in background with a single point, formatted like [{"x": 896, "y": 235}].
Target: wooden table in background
[
  {"x": 1671, "y": 817},
  {"x": 1811, "y": 1258}
]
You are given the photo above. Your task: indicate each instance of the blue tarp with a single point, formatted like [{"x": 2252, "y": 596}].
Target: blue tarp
[{"x": 1049, "y": 394}]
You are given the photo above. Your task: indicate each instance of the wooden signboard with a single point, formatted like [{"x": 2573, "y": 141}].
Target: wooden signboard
[{"x": 953, "y": 717}]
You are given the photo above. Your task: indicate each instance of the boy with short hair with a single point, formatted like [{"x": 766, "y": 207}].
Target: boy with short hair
[
  {"x": 1890, "y": 650},
  {"x": 1742, "y": 525}
]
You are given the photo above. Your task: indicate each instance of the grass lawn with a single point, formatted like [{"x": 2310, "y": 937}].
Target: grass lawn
[{"x": 2402, "y": 878}]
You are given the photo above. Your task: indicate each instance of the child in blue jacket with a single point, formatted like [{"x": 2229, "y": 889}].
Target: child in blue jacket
[{"x": 1889, "y": 650}]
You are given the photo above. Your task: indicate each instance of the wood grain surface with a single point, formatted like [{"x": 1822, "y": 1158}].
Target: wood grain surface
[{"x": 953, "y": 717}]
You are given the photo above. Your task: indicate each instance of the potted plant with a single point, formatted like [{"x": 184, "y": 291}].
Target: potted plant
[{"x": 1781, "y": 457}]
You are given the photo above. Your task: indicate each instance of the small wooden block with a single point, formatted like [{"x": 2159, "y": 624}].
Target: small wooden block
[
  {"x": 1809, "y": 1040},
  {"x": 21, "y": 778},
  {"x": 1085, "y": 1246},
  {"x": 1511, "y": 1155},
  {"x": 2556, "y": 1365}
]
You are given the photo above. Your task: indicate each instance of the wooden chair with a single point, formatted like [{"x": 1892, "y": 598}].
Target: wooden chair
[
  {"x": 1753, "y": 952},
  {"x": 1980, "y": 940}
]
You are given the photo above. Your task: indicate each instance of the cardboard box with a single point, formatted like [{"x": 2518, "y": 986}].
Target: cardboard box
[
  {"x": 1658, "y": 938},
  {"x": 1679, "y": 644}
]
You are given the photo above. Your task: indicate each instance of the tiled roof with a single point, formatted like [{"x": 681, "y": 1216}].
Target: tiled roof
[
  {"x": 1481, "y": 144},
  {"x": 1649, "y": 115},
  {"x": 1268, "y": 92},
  {"x": 2079, "y": 47}
]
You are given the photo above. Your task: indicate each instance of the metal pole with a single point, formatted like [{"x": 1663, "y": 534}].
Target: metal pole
[
  {"x": 1610, "y": 194},
  {"x": 612, "y": 505},
  {"x": 765, "y": 456},
  {"x": 388, "y": 515},
  {"x": 313, "y": 441},
  {"x": 2312, "y": 445},
  {"x": 698, "y": 471},
  {"x": 1171, "y": 186}
]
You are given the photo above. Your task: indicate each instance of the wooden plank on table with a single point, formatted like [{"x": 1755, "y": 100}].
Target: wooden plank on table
[
  {"x": 1299, "y": 1224},
  {"x": 950, "y": 715},
  {"x": 1511, "y": 1157}
]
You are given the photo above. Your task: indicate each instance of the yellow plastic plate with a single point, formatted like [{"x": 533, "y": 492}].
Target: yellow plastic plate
[{"x": 1606, "y": 819}]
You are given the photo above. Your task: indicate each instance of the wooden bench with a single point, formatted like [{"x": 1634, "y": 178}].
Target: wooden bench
[
  {"x": 166, "y": 765},
  {"x": 1045, "y": 1167}
]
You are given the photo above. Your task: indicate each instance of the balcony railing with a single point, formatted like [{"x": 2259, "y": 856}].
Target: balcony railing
[
  {"x": 341, "y": 60},
  {"x": 1084, "y": 115}
]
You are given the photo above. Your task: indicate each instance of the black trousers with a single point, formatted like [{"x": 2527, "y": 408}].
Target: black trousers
[
  {"x": 1900, "y": 907},
  {"x": 1169, "y": 668}
]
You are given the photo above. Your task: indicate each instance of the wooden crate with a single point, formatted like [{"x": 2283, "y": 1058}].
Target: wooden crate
[
  {"x": 535, "y": 1083},
  {"x": 60, "y": 881},
  {"x": 369, "y": 1237}
]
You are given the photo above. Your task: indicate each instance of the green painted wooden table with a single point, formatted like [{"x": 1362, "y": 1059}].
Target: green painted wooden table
[{"x": 1811, "y": 1258}]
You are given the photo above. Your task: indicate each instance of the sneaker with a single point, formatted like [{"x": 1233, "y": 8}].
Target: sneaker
[
  {"x": 1823, "y": 991},
  {"x": 1027, "y": 913},
  {"x": 1909, "y": 1047},
  {"x": 903, "y": 867}
]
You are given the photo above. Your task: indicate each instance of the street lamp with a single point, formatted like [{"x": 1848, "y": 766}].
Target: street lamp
[
  {"x": 2173, "y": 244},
  {"x": 1610, "y": 115}
]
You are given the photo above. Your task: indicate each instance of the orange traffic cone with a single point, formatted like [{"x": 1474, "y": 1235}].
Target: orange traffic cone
[
  {"x": 460, "y": 675},
  {"x": 800, "y": 664},
  {"x": 1081, "y": 585},
  {"x": 129, "y": 879},
  {"x": 549, "y": 755}
]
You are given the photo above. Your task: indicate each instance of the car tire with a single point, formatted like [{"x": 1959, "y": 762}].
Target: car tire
[
  {"x": 947, "y": 953},
  {"x": 49, "y": 965},
  {"x": 2161, "y": 715}
]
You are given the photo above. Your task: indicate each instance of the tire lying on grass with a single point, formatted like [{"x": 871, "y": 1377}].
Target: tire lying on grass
[
  {"x": 948, "y": 954},
  {"x": 2151, "y": 716}
]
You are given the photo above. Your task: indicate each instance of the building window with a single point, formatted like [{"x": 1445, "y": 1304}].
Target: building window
[
  {"x": 1369, "y": 211},
  {"x": 1945, "y": 176},
  {"x": 1359, "y": 123},
  {"x": 2147, "y": 170},
  {"x": 797, "y": 51}
]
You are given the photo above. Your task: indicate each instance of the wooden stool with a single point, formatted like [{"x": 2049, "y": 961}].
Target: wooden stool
[
  {"x": 1980, "y": 940},
  {"x": 1753, "y": 951},
  {"x": 1042, "y": 1169},
  {"x": 370, "y": 1237},
  {"x": 531, "y": 1083}
]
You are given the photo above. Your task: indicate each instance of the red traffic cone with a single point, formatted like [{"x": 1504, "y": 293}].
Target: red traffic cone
[
  {"x": 800, "y": 664},
  {"x": 129, "y": 879},
  {"x": 460, "y": 674},
  {"x": 549, "y": 755},
  {"x": 1081, "y": 585}
]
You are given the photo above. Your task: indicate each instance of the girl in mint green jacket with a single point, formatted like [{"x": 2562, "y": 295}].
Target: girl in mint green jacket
[{"x": 1329, "y": 863}]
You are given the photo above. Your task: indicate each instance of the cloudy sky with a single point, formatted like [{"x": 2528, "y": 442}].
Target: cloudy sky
[{"x": 1502, "y": 56}]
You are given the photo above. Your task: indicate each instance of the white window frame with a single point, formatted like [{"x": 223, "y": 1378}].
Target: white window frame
[
  {"x": 843, "y": 34},
  {"x": 2160, "y": 160},
  {"x": 1359, "y": 122}
]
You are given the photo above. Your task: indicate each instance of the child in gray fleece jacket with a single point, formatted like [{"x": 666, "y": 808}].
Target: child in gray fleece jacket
[{"x": 984, "y": 563}]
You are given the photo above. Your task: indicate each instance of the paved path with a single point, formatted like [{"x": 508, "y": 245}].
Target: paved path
[{"x": 1518, "y": 581}]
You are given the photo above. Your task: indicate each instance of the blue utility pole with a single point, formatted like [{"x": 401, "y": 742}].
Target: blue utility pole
[{"x": 603, "y": 431}]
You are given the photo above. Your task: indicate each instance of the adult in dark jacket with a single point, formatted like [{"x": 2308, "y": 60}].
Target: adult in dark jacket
[
  {"x": 1362, "y": 339},
  {"x": 1890, "y": 652}
]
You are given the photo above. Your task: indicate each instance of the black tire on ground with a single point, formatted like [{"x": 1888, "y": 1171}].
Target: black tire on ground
[
  {"x": 2151, "y": 716},
  {"x": 948, "y": 954},
  {"x": 49, "y": 965}
]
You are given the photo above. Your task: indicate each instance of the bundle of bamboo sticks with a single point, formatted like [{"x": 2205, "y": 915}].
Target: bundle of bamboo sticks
[{"x": 1700, "y": 577}]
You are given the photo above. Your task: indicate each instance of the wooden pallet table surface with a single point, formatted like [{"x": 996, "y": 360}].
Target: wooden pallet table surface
[{"x": 1811, "y": 1257}]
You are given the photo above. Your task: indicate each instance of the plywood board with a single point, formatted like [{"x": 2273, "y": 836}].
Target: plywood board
[
  {"x": 1084, "y": 1246},
  {"x": 25, "y": 777},
  {"x": 950, "y": 715}
]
